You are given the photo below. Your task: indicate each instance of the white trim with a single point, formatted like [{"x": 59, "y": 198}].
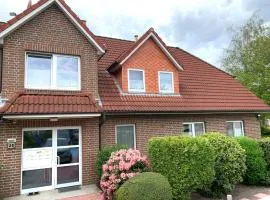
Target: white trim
[
  {"x": 242, "y": 126},
  {"x": 165, "y": 92},
  {"x": 54, "y": 67},
  {"x": 1, "y": 41},
  {"x": 62, "y": 116},
  {"x": 54, "y": 161},
  {"x": 132, "y": 90},
  {"x": 39, "y": 10},
  {"x": 160, "y": 45},
  {"x": 134, "y": 130},
  {"x": 193, "y": 127}
]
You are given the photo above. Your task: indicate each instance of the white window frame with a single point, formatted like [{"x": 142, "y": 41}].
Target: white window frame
[
  {"x": 54, "y": 160},
  {"x": 193, "y": 127},
  {"x": 242, "y": 127},
  {"x": 53, "y": 85},
  {"x": 134, "y": 130},
  {"x": 132, "y": 90},
  {"x": 164, "y": 91}
]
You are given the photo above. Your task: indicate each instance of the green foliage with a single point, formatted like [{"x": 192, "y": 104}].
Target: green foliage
[
  {"x": 265, "y": 145},
  {"x": 187, "y": 162},
  {"x": 265, "y": 131},
  {"x": 229, "y": 165},
  {"x": 145, "y": 186},
  {"x": 104, "y": 155},
  {"x": 248, "y": 57},
  {"x": 256, "y": 165}
]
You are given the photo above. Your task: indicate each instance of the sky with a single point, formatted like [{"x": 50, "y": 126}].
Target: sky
[{"x": 198, "y": 26}]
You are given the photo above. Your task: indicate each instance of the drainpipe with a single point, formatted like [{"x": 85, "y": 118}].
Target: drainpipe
[
  {"x": 1, "y": 67},
  {"x": 102, "y": 120}
]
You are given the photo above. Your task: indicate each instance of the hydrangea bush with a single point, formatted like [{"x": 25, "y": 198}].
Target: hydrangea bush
[{"x": 121, "y": 166}]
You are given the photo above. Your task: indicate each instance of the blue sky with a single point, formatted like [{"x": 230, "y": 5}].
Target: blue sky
[{"x": 198, "y": 26}]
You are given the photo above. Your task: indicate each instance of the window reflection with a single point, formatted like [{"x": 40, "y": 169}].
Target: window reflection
[
  {"x": 37, "y": 139},
  {"x": 66, "y": 137},
  {"x": 69, "y": 155}
]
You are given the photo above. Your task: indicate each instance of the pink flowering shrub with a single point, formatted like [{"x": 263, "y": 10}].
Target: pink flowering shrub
[{"x": 121, "y": 166}]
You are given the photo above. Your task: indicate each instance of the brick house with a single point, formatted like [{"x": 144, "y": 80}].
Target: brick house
[{"x": 66, "y": 93}]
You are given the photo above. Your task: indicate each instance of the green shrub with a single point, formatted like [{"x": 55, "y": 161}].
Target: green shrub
[
  {"x": 265, "y": 145},
  {"x": 145, "y": 186},
  {"x": 256, "y": 165},
  {"x": 187, "y": 162},
  {"x": 104, "y": 155},
  {"x": 229, "y": 165},
  {"x": 265, "y": 131}
]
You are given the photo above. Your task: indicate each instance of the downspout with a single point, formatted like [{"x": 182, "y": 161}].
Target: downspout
[
  {"x": 1, "y": 67},
  {"x": 102, "y": 120}
]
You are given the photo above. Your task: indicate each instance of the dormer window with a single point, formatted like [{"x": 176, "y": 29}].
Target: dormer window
[
  {"x": 166, "y": 82},
  {"x": 136, "y": 81},
  {"x": 52, "y": 72}
]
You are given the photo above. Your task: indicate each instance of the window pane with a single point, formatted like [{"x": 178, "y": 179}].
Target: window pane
[
  {"x": 125, "y": 136},
  {"x": 188, "y": 129},
  {"x": 136, "y": 80},
  {"x": 238, "y": 129},
  {"x": 67, "y": 174},
  {"x": 67, "y": 72},
  {"x": 68, "y": 155},
  {"x": 199, "y": 130},
  {"x": 66, "y": 137},
  {"x": 36, "y": 178},
  {"x": 37, "y": 139},
  {"x": 38, "y": 71},
  {"x": 165, "y": 82},
  {"x": 230, "y": 129}
]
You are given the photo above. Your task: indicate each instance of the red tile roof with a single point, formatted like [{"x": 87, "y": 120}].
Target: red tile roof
[
  {"x": 50, "y": 104},
  {"x": 203, "y": 87}
]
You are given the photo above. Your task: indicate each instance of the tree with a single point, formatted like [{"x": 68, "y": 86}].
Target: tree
[{"x": 248, "y": 56}]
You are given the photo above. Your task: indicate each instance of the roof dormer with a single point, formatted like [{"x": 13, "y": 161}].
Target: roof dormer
[{"x": 148, "y": 67}]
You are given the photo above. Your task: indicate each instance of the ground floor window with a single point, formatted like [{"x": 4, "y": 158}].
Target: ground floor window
[
  {"x": 194, "y": 128},
  {"x": 125, "y": 135},
  {"x": 235, "y": 128}
]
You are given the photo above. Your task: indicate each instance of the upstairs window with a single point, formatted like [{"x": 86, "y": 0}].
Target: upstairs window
[
  {"x": 165, "y": 82},
  {"x": 235, "y": 128},
  {"x": 136, "y": 82},
  {"x": 194, "y": 128},
  {"x": 57, "y": 72}
]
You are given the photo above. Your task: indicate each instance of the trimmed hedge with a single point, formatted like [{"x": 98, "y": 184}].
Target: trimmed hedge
[
  {"x": 265, "y": 131},
  {"x": 104, "y": 155},
  {"x": 145, "y": 186},
  {"x": 256, "y": 165},
  {"x": 229, "y": 165},
  {"x": 265, "y": 145},
  {"x": 187, "y": 162}
]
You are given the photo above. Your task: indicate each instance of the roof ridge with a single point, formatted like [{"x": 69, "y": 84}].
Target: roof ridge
[{"x": 114, "y": 38}]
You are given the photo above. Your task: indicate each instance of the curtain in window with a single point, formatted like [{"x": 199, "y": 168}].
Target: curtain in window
[
  {"x": 136, "y": 80},
  {"x": 125, "y": 136},
  {"x": 166, "y": 82},
  {"x": 199, "y": 130}
]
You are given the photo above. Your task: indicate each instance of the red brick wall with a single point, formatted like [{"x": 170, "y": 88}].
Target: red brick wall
[
  {"x": 153, "y": 125},
  {"x": 151, "y": 59},
  {"x": 10, "y": 177},
  {"x": 52, "y": 32}
]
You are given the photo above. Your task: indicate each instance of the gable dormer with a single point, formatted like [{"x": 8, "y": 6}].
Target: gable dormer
[{"x": 147, "y": 67}]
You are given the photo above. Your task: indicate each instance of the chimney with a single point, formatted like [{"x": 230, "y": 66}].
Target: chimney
[
  {"x": 29, "y": 4},
  {"x": 84, "y": 22},
  {"x": 136, "y": 37}
]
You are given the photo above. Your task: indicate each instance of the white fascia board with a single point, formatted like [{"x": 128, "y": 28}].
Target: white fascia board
[
  {"x": 160, "y": 45},
  {"x": 59, "y": 116}
]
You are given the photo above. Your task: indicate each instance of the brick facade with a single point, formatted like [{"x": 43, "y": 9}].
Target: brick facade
[
  {"x": 50, "y": 32},
  {"x": 10, "y": 177},
  {"x": 151, "y": 59},
  {"x": 160, "y": 125}
]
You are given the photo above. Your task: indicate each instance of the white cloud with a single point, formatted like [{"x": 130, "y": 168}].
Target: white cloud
[{"x": 198, "y": 26}]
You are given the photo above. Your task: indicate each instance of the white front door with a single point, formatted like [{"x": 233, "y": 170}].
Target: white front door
[{"x": 51, "y": 158}]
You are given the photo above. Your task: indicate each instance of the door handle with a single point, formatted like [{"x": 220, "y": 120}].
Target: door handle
[{"x": 58, "y": 160}]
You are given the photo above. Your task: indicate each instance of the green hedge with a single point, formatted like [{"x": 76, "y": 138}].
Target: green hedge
[
  {"x": 229, "y": 165},
  {"x": 265, "y": 131},
  {"x": 256, "y": 165},
  {"x": 145, "y": 186},
  {"x": 265, "y": 145},
  {"x": 104, "y": 155},
  {"x": 187, "y": 162}
]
